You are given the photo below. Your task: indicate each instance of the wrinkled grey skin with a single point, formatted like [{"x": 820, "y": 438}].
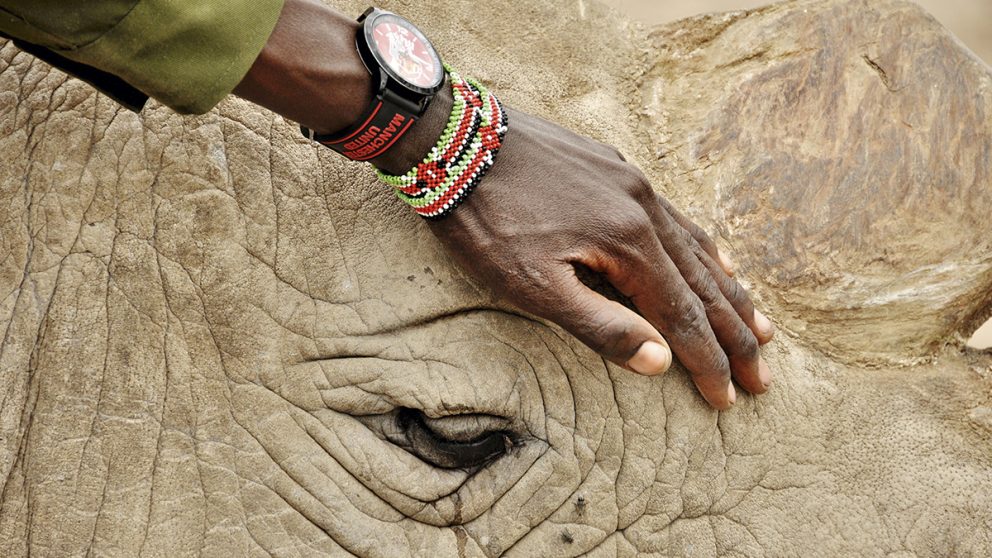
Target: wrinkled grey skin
[{"x": 204, "y": 318}]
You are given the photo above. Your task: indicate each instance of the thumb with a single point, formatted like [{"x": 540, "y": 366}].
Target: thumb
[{"x": 607, "y": 327}]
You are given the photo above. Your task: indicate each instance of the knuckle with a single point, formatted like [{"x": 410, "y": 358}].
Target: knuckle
[
  {"x": 609, "y": 336},
  {"x": 706, "y": 290},
  {"x": 739, "y": 298},
  {"x": 663, "y": 202},
  {"x": 686, "y": 237},
  {"x": 630, "y": 250},
  {"x": 676, "y": 234},
  {"x": 631, "y": 225},
  {"x": 714, "y": 367},
  {"x": 700, "y": 235},
  {"x": 637, "y": 186},
  {"x": 746, "y": 345},
  {"x": 690, "y": 319}
]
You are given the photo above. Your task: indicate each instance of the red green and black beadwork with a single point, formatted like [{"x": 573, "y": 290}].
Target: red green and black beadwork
[{"x": 462, "y": 156}]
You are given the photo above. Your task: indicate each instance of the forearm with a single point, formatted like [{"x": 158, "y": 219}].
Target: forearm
[
  {"x": 310, "y": 72},
  {"x": 187, "y": 54}
]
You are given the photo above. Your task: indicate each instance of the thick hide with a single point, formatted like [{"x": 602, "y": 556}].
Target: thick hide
[{"x": 215, "y": 334}]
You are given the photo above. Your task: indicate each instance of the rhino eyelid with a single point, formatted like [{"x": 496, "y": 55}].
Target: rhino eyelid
[{"x": 440, "y": 451}]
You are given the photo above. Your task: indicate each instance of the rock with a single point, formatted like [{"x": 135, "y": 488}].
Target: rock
[{"x": 845, "y": 148}]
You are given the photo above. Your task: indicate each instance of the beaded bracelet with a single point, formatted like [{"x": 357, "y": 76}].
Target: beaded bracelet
[{"x": 462, "y": 156}]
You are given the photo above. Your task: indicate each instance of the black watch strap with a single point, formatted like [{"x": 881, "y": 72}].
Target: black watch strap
[
  {"x": 377, "y": 131},
  {"x": 406, "y": 74}
]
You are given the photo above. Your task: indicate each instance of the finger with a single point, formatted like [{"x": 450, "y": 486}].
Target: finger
[
  {"x": 762, "y": 327},
  {"x": 726, "y": 263},
  {"x": 737, "y": 296},
  {"x": 652, "y": 281},
  {"x": 759, "y": 381},
  {"x": 607, "y": 327},
  {"x": 736, "y": 341},
  {"x": 700, "y": 235},
  {"x": 695, "y": 230}
]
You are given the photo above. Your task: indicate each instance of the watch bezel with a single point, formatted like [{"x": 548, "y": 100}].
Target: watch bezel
[{"x": 369, "y": 26}]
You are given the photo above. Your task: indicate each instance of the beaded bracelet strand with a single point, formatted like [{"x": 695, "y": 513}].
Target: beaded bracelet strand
[{"x": 462, "y": 156}]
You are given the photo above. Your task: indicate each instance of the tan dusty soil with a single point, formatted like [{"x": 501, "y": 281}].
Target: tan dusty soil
[{"x": 969, "y": 20}]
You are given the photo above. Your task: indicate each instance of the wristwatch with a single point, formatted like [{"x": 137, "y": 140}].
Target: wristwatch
[{"x": 406, "y": 74}]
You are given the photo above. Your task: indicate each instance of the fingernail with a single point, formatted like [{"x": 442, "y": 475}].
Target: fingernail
[
  {"x": 731, "y": 393},
  {"x": 728, "y": 264},
  {"x": 764, "y": 324},
  {"x": 651, "y": 358},
  {"x": 764, "y": 373}
]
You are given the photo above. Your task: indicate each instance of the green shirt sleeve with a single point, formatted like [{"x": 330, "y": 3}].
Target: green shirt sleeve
[{"x": 187, "y": 54}]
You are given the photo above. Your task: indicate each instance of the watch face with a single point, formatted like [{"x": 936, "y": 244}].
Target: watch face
[{"x": 405, "y": 52}]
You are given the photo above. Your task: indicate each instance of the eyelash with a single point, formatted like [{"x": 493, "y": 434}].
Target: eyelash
[
  {"x": 468, "y": 442},
  {"x": 434, "y": 448}
]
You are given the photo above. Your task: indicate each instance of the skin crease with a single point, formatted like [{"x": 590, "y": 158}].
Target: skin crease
[
  {"x": 206, "y": 314},
  {"x": 534, "y": 217}
]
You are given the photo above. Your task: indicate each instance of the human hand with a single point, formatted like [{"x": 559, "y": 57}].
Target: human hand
[
  {"x": 556, "y": 200},
  {"x": 553, "y": 201}
]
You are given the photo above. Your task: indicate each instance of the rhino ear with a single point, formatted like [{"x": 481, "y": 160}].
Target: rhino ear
[{"x": 851, "y": 177}]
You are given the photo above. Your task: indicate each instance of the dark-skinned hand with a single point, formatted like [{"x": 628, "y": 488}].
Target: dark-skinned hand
[{"x": 555, "y": 200}]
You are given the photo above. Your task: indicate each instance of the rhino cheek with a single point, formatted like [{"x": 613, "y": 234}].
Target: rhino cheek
[
  {"x": 223, "y": 374},
  {"x": 291, "y": 344}
]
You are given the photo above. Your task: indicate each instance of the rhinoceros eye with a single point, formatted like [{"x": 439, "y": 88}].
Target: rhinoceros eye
[
  {"x": 455, "y": 442},
  {"x": 451, "y": 442}
]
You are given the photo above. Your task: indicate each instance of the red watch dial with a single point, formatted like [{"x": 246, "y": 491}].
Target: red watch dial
[{"x": 406, "y": 52}]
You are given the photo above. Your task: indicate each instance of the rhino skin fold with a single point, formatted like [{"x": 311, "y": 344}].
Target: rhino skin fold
[{"x": 207, "y": 323}]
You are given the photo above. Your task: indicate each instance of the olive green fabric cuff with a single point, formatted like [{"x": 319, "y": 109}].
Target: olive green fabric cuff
[{"x": 188, "y": 55}]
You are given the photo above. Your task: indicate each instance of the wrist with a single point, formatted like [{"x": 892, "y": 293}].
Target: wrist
[
  {"x": 309, "y": 70},
  {"x": 418, "y": 141},
  {"x": 462, "y": 156},
  {"x": 407, "y": 74}
]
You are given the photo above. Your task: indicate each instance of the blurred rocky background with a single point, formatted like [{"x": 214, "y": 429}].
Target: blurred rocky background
[{"x": 969, "y": 20}]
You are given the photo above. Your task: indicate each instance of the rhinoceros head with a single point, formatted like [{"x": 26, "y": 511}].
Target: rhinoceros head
[{"x": 222, "y": 340}]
